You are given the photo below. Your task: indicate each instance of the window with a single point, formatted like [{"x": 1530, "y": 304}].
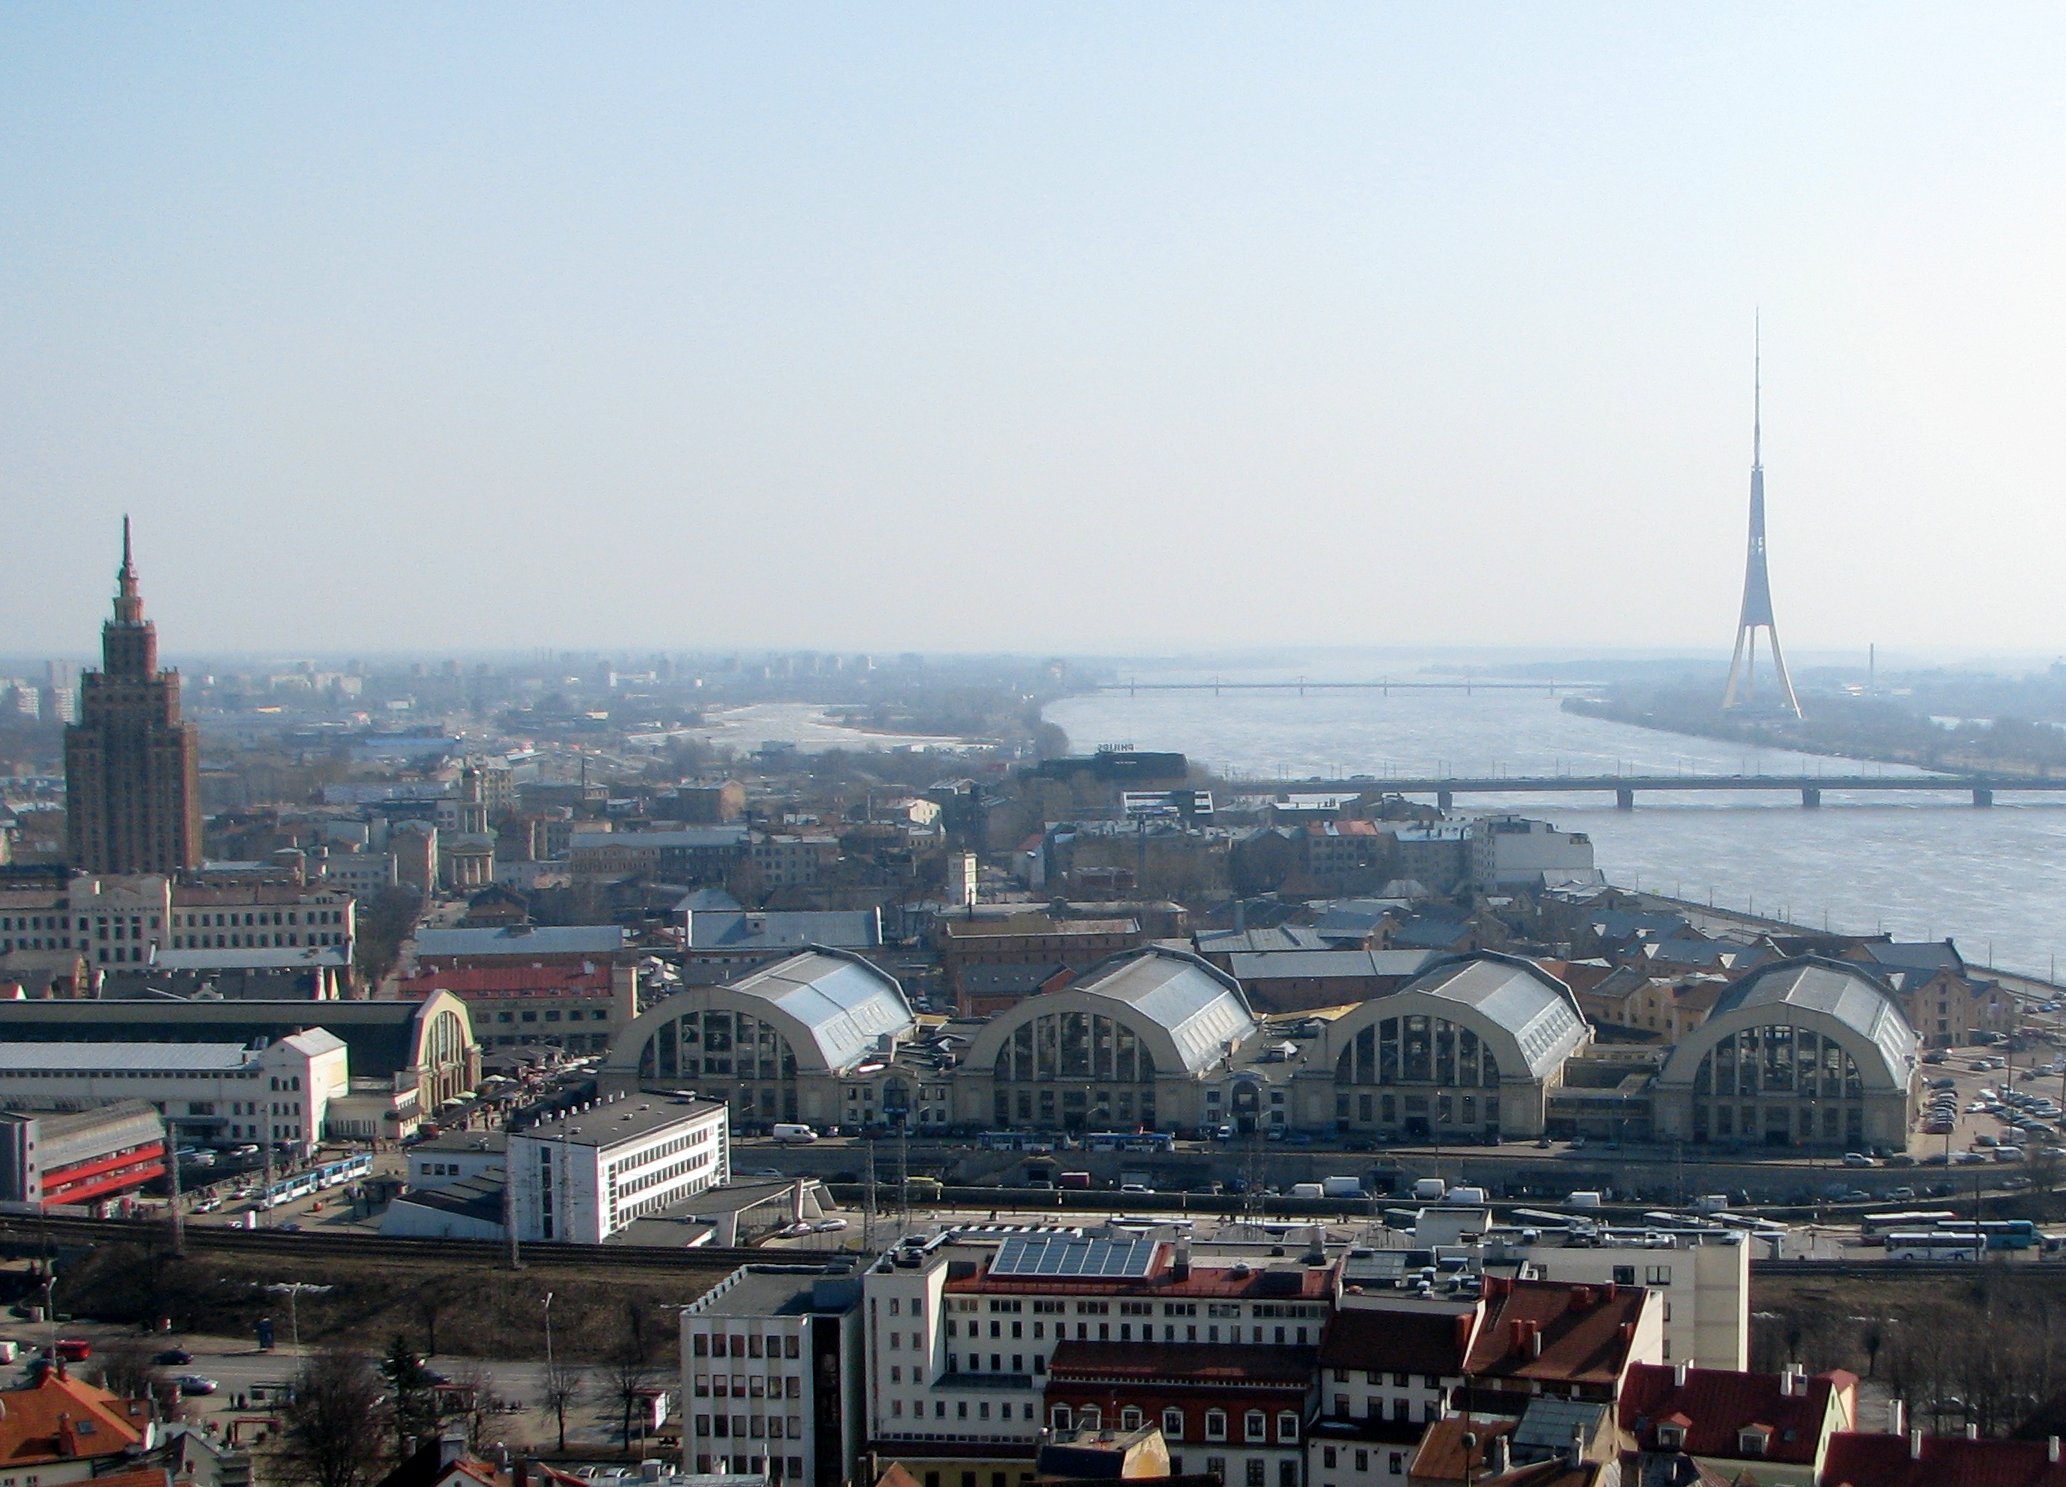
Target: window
[
  {"x": 1172, "y": 1424},
  {"x": 1059, "y": 1417},
  {"x": 1256, "y": 1473},
  {"x": 1287, "y": 1425},
  {"x": 1215, "y": 1425},
  {"x": 1255, "y": 1426},
  {"x": 1130, "y": 1418}
]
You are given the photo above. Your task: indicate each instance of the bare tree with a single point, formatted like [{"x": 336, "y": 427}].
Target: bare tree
[
  {"x": 336, "y": 1424},
  {"x": 472, "y": 1398},
  {"x": 565, "y": 1385},
  {"x": 631, "y": 1374},
  {"x": 128, "y": 1367}
]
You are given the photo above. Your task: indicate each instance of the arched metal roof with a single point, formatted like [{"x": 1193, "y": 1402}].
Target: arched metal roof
[
  {"x": 1809, "y": 991},
  {"x": 1530, "y": 1018},
  {"x": 833, "y": 1007},
  {"x": 1185, "y": 1010}
]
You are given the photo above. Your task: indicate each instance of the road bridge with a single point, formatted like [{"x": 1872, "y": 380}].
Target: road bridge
[
  {"x": 1982, "y": 788},
  {"x": 1302, "y": 685}
]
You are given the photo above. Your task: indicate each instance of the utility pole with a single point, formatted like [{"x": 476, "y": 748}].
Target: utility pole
[
  {"x": 868, "y": 1213},
  {"x": 179, "y": 1222},
  {"x": 509, "y": 1182}
]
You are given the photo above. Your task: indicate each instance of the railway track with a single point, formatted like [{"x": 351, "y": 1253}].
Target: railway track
[{"x": 26, "y": 1236}]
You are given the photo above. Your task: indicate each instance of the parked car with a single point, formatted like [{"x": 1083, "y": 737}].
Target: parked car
[
  {"x": 173, "y": 1356},
  {"x": 197, "y": 1383}
]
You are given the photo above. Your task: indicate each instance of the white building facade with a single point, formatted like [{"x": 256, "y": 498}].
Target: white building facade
[{"x": 582, "y": 1176}]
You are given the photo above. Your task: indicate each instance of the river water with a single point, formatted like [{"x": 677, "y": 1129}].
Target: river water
[{"x": 1918, "y": 867}]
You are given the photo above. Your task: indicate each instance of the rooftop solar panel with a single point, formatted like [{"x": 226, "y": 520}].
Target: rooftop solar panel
[{"x": 1058, "y": 1256}]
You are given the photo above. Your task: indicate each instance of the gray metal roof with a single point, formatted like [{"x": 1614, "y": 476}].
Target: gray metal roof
[
  {"x": 522, "y": 940},
  {"x": 743, "y": 930},
  {"x": 87, "y": 1058},
  {"x": 1200, "y": 1008},
  {"x": 1524, "y": 999},
  {"x": 286, "y": 958},
  {"x": 1843, "y": 991},
  {"x": 711, "y": 836},
  {"x": 1266, "y": 965},
  {"x": 843, "y": 1003}
]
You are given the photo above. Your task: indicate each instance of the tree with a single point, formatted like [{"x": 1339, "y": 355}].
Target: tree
[
  {"x": 565, "y": 1385},
  {"x": 333, "y": 1427},
  {"x": 127, "y": 1368},
  {"x": 631, "y": 1376},
  {"x": 413, "y": 1392},
  {"x": 474, "y": 1401}
]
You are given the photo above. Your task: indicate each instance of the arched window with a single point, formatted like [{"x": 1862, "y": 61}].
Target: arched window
[
  {"x": 1173, "y": 1424},
  {"x": 1287, "y": 1425},
  {"x": 1059, "y": 1417},
  {"x": 1256, "y": 1426},
  {"x": 1091, "y": 1417},
  {"x": 1215, "y": 1425},
  {"x": 1130, "y": 1418}
]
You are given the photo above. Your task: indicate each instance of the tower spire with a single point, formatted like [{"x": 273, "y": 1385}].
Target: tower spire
[
  {"x": 128, "y": 596},
  {"x": 1756, "y": 614}
]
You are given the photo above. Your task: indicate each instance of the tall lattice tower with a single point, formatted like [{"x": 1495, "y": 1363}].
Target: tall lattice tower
[{"x": 1757, "y": 583}]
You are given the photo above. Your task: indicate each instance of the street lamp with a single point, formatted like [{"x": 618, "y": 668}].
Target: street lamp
[{"x": 548, "y": 1339}]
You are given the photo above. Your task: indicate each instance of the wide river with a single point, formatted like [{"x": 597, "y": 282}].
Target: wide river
[{"x": 1918, "y": 867}]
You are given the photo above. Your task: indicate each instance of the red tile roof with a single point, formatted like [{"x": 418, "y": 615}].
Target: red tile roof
[
  {"x": 1714, "y": 1405},
  {"x": 1859, "y": 1460},
  {"x": 61, "y": 1418},
  {"x": 1397, "y": 1341},
  {"x": 1554, "y": 1331},
  {"x": 1206, "y": 1364}
]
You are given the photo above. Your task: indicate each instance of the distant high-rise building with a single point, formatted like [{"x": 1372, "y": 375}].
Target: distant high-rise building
[{"x": 132, "y": 767}]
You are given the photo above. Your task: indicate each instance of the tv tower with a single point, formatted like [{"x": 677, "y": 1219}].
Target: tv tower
[{"x": 1757, "y": 583}]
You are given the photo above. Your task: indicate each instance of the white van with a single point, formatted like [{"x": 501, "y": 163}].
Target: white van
[
  {"x": 792, "y": 1134},
  {"x": 1584, "y": 1199},
  {"x": 1343, "y": 1187},
  {"x": 1430, "y": 1190},
  {"x": 1306, "y": 1190}
]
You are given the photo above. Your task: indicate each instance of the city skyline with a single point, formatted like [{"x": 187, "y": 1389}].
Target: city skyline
[{"x": 487, "y": 332}]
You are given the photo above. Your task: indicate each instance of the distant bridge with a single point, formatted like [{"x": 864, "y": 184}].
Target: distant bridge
[
  {"x": 1625, "y": 787},
  {"x": 1302, "y": 686}
]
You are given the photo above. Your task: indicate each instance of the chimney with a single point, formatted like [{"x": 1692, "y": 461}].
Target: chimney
[
  {"x": 1897, "y": 1417},
  {"x": 1678, "y": 1375},
  {"x": 2051, "y": 1449},
  {"x": 450, "y": 1448},
  {"x": 1915, "y": 1445},
  {"x": 1498, "y": 1456},
  {"x": 1180, "y": 1269},
  {"x": 1574, "y": 1454},
  {"x": 1534, "y": 1341},
  {"x": 1972, "y": 1432}
]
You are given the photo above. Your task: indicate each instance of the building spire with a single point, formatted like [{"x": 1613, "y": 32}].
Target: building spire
[
  {"x": 1757, "y": 395},
  {"x": 128, "y": 597}
]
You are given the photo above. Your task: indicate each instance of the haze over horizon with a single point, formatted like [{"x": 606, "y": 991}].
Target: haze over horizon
[{"x": 930, "y": 328}]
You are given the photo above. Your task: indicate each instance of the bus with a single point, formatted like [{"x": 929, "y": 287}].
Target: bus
[
  {"x": 1936, "y": 1244},
  {"x": 1130, "y": 1141},
  {"x": 1875, "y": 1227},
  {"x": 1999, "y": 1233}
]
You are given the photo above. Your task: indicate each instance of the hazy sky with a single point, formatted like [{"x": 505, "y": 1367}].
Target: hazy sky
[{"x": 1030, "y": 326}]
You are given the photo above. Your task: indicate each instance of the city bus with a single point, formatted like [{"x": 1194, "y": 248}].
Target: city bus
[
  {"x": 1999, "y": 1233},
  {"x": 1875, "y": 1227},
  {"x": 1936, "y": 1244}
]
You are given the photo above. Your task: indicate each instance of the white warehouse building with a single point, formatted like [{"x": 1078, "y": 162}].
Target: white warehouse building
[
  {"x": 583, "y": 1175},
  {"x": 278, "y": 1091}
]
